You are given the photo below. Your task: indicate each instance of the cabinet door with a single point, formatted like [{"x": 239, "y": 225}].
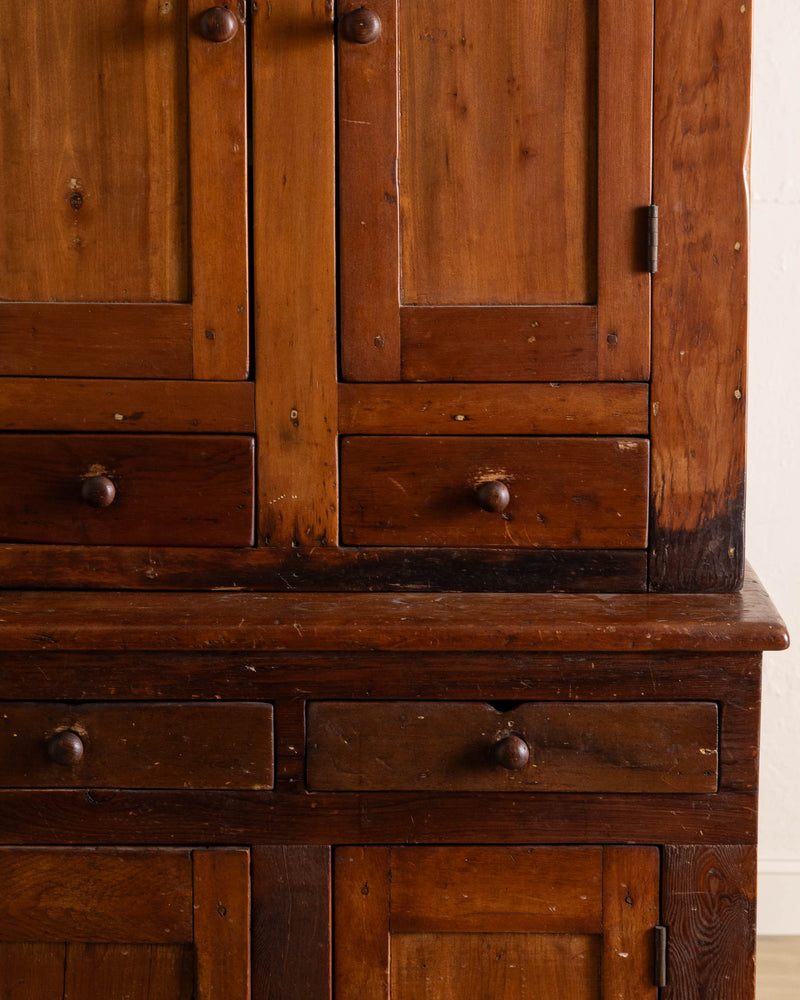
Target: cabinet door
[
  {"x": 123, "y": 239},
  {"x": 500, "y": 923},
  {"x": 124, "y": 925},
  {"x": 495, "y": 166}
]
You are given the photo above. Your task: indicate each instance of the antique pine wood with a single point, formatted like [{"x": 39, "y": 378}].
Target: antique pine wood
[
  {"x": 295, "y": 289},
  {"x": 168, "y": 487},
  {"x": 565, "y": 492},
  {"x": 365, "y": 765},
  {"x": 135, "y": 405},
  {"x": 594, "y": 747},
  {"x": 139, "y": 745},
  {"x": 83, "y": 228},
  {"x": 345, "y": 622},
  {"x": 702, "y": 141},
  {"x": 539, "y": 408}
]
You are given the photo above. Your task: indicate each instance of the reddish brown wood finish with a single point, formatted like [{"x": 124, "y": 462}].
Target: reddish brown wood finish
[
  {"x": 502, "y": 344},
  {"x": 624, "y": 188},
  {"x": 118, "y": 971},
  {"x": 219, "y": 188},
  {"x": 325, "y": 569},
  {"x": 565, "y": 492},
  {"x": 709, "y": 906},
  {"x": 75, "y": 895},
  {"x": 291, "y": 892},
  {"x": 221, "y": 894},
  {"x": 167, "y": 488},
  {"x": 491, "y": 408},
  {"x": 98, "y": 340},
  {"x": 137, "y": 405},
  {"x": 574, "y": 747},
  {"x": 346, "y": 622},
  {"x": 700, "y": 295},
  {"x": 295, "y": 289},
  {"x": 138, "y": 745},
  {"x": 631, "y": 909}
]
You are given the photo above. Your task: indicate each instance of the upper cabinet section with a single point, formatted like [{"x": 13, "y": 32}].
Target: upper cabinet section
[
  {"x": 495, "y": 173},
  {"x": 123, "y": 228}
]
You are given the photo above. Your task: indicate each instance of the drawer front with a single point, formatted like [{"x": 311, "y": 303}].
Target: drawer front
[
  {"x": 554, "y": 492},
  {"x": 537, "y": 746},
  {"x": 136, "y": 745},
  {"x": 115, "y": 489}
]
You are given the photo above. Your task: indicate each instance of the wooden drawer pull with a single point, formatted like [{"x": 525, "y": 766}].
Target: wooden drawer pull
[
  {"x": 65, "y": 747},
  {"x": 512, "y": 753},
  {"x": 493, "y": 496},
  {"x": 362, "y": 26},
  {"x": 98, "y": 491},
  {"x": 218, "y": 24}
]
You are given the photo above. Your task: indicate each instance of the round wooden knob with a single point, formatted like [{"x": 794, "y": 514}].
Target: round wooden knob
[
  {"x": 65, "y": 747},
  {"x": 218, "y": 24},
  {"x": 512, "y": 753},
  {"x": 493, "y": 496},
  {"x": 361, "y": 26},
  {"x": 98, "y": 491}
]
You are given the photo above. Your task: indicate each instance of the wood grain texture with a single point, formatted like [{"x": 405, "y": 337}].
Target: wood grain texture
[
  {"x": 631, "y": 878},
  {"x": 139, "y": 745},
  {"x": 624, "y": 156},
  {"x": 32, "y": 970},
  {"x": 291, "y": 891},
  {"x": 135, "y": 405},
  {"x": 503, "y": 343},
  {"x": 294, "y": 273},
  {"x": 702, "y": 130},
  {"x": 325, "y": 570},
  {"x": 100, "y": 340},
  {"x": 169, "y": 488},
  {"x": 186, "y": 816},
  {"x": 510, "y": 221},
  {"x": 496, "y": 890},
  {"x": 361, "y": 889},
  {"x": 96, "y": 100},
  {"x": 80, "y": 895},
  {"x": 491, "y": 408},
  {"x": 367, "y": 199},
  {"x": 574, "y": 747},
  {"x": 221, "y": 904},
  {"x": 565, "y": 492},
  {"x": 346, "y": 622},
  {"x": 496, "y": 965},
  {"x": 708, "y": 904},
  {"x": 219, "y": 187},
  {"x": 121, "y": 971}
]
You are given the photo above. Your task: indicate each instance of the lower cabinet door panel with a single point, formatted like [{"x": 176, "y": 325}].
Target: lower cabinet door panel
[
  {"x": 105, "y": 924},
  {"x": 500, "y": 923}
]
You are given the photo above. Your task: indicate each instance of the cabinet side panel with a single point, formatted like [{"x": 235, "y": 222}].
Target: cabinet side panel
[
  {"x": 708, "y": 905},
  {"x": 294, "y": 272},
  {"x": 702, "y": 126}
]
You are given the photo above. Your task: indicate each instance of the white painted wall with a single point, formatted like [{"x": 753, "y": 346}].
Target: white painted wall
[{"x": 773, "y": 512}]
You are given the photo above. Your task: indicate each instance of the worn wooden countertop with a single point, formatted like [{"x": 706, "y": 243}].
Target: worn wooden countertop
[{"x": 68, "y": 620}]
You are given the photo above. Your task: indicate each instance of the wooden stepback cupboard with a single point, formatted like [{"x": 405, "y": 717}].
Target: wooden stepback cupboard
[{"x": 375, "y": 618}]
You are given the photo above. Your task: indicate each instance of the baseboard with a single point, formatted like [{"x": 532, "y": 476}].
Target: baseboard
[{"x": 779, "y": 897}]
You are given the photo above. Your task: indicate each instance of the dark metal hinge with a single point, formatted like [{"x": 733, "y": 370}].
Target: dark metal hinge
[
  {"x": 652, "y": 239},
  {"x": 660, "y": 936}
]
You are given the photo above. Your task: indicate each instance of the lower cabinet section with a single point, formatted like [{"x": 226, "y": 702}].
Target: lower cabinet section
[
  {"x": 81, "y": 924},
  {"x": 500, "y": 923}
]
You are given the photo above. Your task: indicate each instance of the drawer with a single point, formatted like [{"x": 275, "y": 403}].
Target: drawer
[
  {"x": 542, "y": 492},
  {"x": 535, "y": 746},
  {"x": 136, "y": 745},
  {"x": 120, "y": 489}
]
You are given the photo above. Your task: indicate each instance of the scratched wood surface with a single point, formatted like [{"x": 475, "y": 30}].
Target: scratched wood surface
[{"x": 698, "y": 400}]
